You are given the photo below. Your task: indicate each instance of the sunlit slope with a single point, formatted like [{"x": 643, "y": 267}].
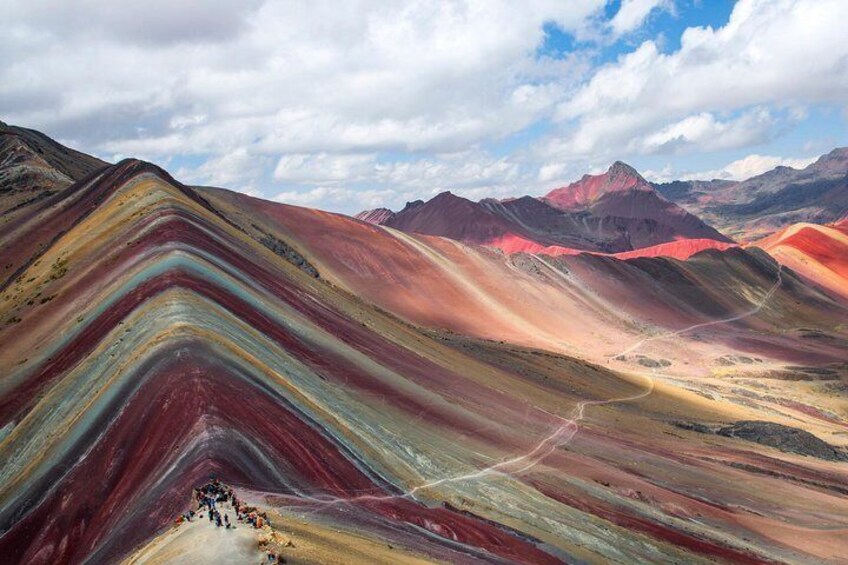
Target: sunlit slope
[
  {"x": 587, "y": 306},
  {"x": 819, "y": 253}
]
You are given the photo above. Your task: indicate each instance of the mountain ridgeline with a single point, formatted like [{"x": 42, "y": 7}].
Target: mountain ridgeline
[
  {"x": 773, "y": 200},
  {"x": 34, "y": 166},
  {"x": 621, "y": 212},
  {"x": 617, "y": 211}
]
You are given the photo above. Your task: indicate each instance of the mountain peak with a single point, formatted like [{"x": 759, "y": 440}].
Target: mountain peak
[
  {"x": 33, "y": 166},
  {"x": 622, "y": 169},
  {"x": 834, "y": 163},
  {"x": 840, "y": 154},
  {"x": 447, "y": 198},
  {"x": 445, "y": 195},
  {"x": 68, "y": 162},
  {"x": 412, "y": 204},
  {"x": 620, "y": 177}
]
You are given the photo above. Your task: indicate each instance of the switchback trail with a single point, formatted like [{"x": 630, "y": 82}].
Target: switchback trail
[
  {"x": 560, "y": 437},
  {"x": 693, "y": 327}
]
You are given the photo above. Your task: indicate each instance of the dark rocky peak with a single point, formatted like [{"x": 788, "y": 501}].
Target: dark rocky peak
[
  {"x": 69, "y": 162},
  {"x": 412, "y": 205},
  {"x": 620, "y": 169},
  {"x": 835, "y": 160},
  {"x": 446, "y": 196}
]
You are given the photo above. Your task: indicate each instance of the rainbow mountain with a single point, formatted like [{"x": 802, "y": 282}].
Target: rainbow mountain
[{"x": 393, "y": 397}]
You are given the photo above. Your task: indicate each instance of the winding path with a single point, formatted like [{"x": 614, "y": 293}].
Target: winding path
[
  {"x": 688, "y": 329},
  {"x": 562, "y": 435}
]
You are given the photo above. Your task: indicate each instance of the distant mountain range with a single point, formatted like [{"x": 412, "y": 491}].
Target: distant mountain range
[
  {"x": 770, "y": 201},
  {"x": 619, "y": 211}
]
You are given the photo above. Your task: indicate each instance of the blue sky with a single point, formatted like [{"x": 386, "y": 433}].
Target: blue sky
[
  {"x": 345, "y": 106},
  {"x": 665, "y": 24}
]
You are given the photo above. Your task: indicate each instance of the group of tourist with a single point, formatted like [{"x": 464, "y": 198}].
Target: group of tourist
[
  {"x": 211, "y": 499},
  {"x": 209, "y": 495}
]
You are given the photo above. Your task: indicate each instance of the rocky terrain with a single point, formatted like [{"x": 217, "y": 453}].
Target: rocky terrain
[
  {"x": 620, "y": 212},
  {"x": 33, "y": 166}
]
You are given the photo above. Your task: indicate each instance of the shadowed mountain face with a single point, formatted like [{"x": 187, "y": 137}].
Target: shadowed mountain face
[
  {"x": 771, "y": 201},
  {"x": 617, "y": 211},
  {"x": 441, "y": 401},
  {"x": 33, "y": 166}
]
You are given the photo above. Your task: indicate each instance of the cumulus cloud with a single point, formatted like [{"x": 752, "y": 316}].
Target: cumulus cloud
[
  {"x": 338, "y": 196},
  {"x": 750, "y": 166},
  {"x": 238, "y": 169},
  {"x": 737, "y": 170},
  {"x": 705, "y": 132},
  {"x": 633, "y": 13},
  {"x": 665, "y": 174},
  {"x": 777, "y": 53},
  {"x": 292, "y": 77},
  {"x": 550, "y": 171},
  {"x": 352, "y": 182},
  {"x": 465, "y": 170},
  {"x": 323, "y": 168},
  {"x": 331, "y": 99}
]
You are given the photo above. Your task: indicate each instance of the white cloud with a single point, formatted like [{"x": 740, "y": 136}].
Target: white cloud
[
  {"x": 666, "y": 174},
  {"x": 781, "y": 53},
  {"x": 750, "y": 166},
  {"x": 340, "y": 197},
  {"x": 552, "y": 171},
  {"x": 353, "y": 182},
  {"x": 323, "y": 168},
  {"x": 238, "y": 169},
  {"x": 633, "y": 13},
  {"x": 289, "y": 77},
  {"x": 407, "y": 96},
  {"x": 465, "y": 170},
  {"x": 704, "y": 132}
]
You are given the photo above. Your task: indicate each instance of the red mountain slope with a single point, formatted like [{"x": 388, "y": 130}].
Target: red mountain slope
[
  {"x": 621, "y": 192},
  {"x": 819, "y": 253},
  {"x": 680, "y": 249},
  {"x": 437, "y": 282},
  {"x": 581, "y": 194},
  {"x": 615, "y": 212}
]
